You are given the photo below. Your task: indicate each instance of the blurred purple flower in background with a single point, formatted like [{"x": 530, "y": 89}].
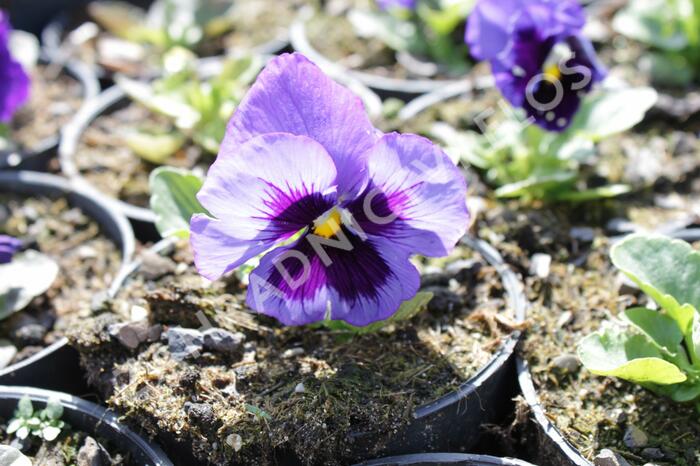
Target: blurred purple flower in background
[
  {"x": 14, "y": 82},
  {"x": 302, "y": 169},
  {"x": 539, "y": 57},
  {"x": 389, "y": 4},
  {"x": 8, "y": 247}
]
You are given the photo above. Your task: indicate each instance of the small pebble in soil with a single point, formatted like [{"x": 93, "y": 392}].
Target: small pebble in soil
[
  {"x": 132, "y": 334},
  {"x": 565, "y": 319},
  {"x": 234, "y": 441},
  {"x": 582, "y": 234},
  {"x": 443, "y": 300},
  {"x": 609, "y": 458},
  {"x": 635, "y": 437},
  {"x": 155, "y": 266},
  {"x": 7, "y": 353},
  {"x": 292, "y": 353},
  {"x": 31, "y": 334},
  {"x": 222, "y": 341},
  {"x": 653, "y": 453},
  {"x": 201, "y": 414},
  {"x": 299, "y": 388},
  {"x": 567, "y": 363},
  {"x": 540, "y": 265},
  {"x": 90, "y": 454},
  {"x": 184, "y": 343},
  {"x": 189, "y": 378},
  {"x": 434, "y": 279}
]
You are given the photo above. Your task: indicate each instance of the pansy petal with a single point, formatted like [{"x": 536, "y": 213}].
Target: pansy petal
[
  {"x": 416, "y": 197},
  {"x": 8, "y": 247},
  {"x": 14, "y": 82},
  {"x": 292, "y": 95},
  {"x": 274, "y": 186},
  {"x": 488, "y": 26},
  {"x": 362, "y": 285}
]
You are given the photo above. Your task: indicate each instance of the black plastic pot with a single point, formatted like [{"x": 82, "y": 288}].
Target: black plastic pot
[
  {"x": 452, "y": 459},
  {"x": 36, "y": 158},
  {"x": 405, "y": 89},
  {"x": 89, "y": 418},
  {"x": 57, "y": 367},
  {"x": 453, "y": 422}
]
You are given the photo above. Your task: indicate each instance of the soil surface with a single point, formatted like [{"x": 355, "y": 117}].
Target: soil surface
[
  {"x": 256, "y": 24},
  {"x": 106, "y": 161},
  {"x": 54, "y": 99},
  {"x": 594, "y": 412},
  {"x": 332, "y": 34},
  {"x": 325, "y": 397},
  {"x": 88, "y": 263}
]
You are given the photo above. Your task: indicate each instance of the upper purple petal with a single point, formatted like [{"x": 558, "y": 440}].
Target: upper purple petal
[
  {"x": 416, "y": 197},
  {"x": 8, "y": 248},
  {"x": 493, "y": 24},
  {"x": 292, "y": 95},
  {"x": 389, "y": 4},
  {"x": 270, "y": 188},
  {"x": 14, "y": 82},
  {"x": 360, "y": 286}
]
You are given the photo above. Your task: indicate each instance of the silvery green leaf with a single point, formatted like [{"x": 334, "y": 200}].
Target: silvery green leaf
[
  {"x": 612, "y": 111},
  {"x": 29, "y": 275},
  {"x": 50, "y": 433},
  {"x": 22, "y": 433},
  {"x": 54, "y": 409},
  {"x": 654, "y": 22},
  {"x": 25, "y": 408},
  {"x": 666, "y": 269},
  {"x": 10, "y": 456},
  {"x": 537, "y": 186},
  {"x": 171, "y": 106},
  {"x": 668, "y": 69},
  {"x": 14, "y": 426},
  {"x": 613, "y": 352},
  {"x": 122, "y": 19},
  {"x": 25, "y": 48},
  {"x": 174, "y": 200},
  {"x": 660, "y": 328},
  {"x": 153, "y": 147}
]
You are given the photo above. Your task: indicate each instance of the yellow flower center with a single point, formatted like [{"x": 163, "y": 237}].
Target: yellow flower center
[
  {"x": 552, "y": 73},
  {"x": 328, "y": 224}
]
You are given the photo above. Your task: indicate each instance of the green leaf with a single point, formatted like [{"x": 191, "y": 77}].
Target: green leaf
[
  {"x": 611, "y": 352},
  {"x": 406, "y": 311},
  {"x": 50, "y": 433},
  {"x": 667, "y": 270},
  {"x": 396, "y": 33},
  {"x": 24, "y": 408},
  {"x": 54, "y": 409},
  {"x": 170, "y": 104},
  {"x": 155, "y": 148},
  {"x": 671, "y": 70},
  {"x": 602, "y": 192},
  {"x": 174, "y": 200},
  {"x": 538, "y": 186},
  {"x": 447, "y": 17},
  {"x": 660, "y": 328},
  {"x": 10, "y": 456},
  {"x": 257, "y": 412},
  {"x": 611, "y": 111},
  {"x": 683, "y": 392},
  {"x": 29, "y": 275},
  {"x": 654, "y": 22}
]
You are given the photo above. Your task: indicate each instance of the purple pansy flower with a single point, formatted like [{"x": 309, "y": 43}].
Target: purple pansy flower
[
  {"x": 14, "y": 82},
  {"x": 389, "y": 4},
  {"x": 8, "y": 247},
  {"x": 539, "y": 57},
  {"x": 339, "y": 206}
]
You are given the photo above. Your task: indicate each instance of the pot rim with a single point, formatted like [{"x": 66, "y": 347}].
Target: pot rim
[
  {"x": 102, "y": 419},
  {"x": 35, "y": 182},
  {"x": 458, "y": 459},
  {"x": 300, "y": 42}
]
